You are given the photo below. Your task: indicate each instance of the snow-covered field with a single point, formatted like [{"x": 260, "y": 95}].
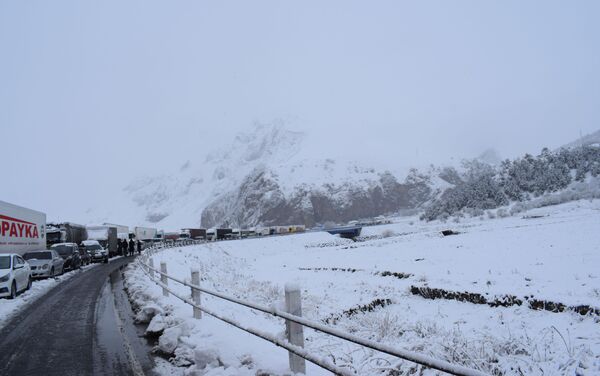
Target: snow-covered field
[
  {"x": 39, "y": 287},
  {"x": 551, "y": 253}
]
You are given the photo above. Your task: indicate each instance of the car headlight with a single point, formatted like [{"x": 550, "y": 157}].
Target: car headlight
[
  {"x": 5, "y": 278},
  {"x": 45, "y": 266}
]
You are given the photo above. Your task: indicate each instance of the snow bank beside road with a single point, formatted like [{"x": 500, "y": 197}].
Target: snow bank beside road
[{"x": 364, "y": 288}]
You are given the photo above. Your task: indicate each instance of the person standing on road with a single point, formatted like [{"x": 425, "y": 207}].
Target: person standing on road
[
  {"x": 119, "y": 247},
  {"x": 123, "y": 247},
  {"x": 131, "y": 247},
  {"x": 139, "y": 247}
]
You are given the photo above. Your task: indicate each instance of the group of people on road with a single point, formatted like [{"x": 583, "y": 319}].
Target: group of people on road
[{"x": 128, "y": 248}]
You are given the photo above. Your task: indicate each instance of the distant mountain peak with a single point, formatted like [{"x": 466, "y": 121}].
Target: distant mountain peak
[{"x": 264, "y": 142}]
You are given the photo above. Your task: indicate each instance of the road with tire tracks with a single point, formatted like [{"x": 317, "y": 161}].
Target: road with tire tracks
[{"x": 83, "y": 326}]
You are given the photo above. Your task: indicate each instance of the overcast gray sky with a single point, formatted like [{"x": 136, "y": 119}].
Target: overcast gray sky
[{"x": 114, "y": 89}]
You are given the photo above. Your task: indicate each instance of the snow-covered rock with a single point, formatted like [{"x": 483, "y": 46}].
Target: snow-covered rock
[
  {"x": 156, "y": 327},
  {"x": 147, "y": 312},
  {"x": 167, "y": 343}
]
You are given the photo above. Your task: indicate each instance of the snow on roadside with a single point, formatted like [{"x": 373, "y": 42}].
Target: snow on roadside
[
  {"x": 364, "y": 288},
  {"x": 39, "y": 287}
]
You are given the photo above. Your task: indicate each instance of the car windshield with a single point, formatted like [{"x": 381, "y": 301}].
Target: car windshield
[
  {"x": 4, "y": 262},
  {"x": 38, "y": 256},
  {"x": 93, "y": 247},
  {"x": 63, "y": 249}
]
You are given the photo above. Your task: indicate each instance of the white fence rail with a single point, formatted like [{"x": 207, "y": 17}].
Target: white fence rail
[{"x": 294, "y": 324}]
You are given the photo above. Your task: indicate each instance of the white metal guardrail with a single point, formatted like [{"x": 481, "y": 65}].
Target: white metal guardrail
[{"x": 293, "y": 321}]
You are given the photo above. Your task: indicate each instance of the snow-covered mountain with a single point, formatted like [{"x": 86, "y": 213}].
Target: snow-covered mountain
[
  {"x": 274, "y": 176},
  {"x": 267, "y": 176}
]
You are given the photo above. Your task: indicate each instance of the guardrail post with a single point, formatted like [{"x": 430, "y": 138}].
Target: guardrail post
[
  {"x": 151, "y": 262},
  {"x": 196, "y": 293},
  {"x": 163, "y": 277},
  {"x": 294, "y": 331}
]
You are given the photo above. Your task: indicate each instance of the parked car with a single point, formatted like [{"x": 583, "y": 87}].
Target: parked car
[
  {"x": 70, "y": 253},
  {"x": 15, "y": 275},
  {"x": 44, "y": 263},
  {"x": 97, "y": 253}
]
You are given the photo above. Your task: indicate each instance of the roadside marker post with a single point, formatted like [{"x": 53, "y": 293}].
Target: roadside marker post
[
  {"x": 163, "y": 277},
  {"x": 294, "y": 331},
  {"x": 196, "y": 293},
  {"x": 151, "y": 261}
]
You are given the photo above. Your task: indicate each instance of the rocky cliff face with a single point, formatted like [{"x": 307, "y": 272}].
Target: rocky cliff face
[{"x": 260, "y": 200}]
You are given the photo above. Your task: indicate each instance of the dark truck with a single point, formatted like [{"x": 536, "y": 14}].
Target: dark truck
[
  {"x": 222, "y": 233},
  {"x": 66, "y": 232},
  {"x": 193, "y": 233},
  {"x": 106, "y": 235}
]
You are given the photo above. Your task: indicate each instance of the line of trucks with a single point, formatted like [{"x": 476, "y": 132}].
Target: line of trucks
[{"x": 23, "y": 230}]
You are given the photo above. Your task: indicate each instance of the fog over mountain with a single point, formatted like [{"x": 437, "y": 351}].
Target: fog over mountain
[
  {"x": 267, "y": 175},
  {"x": 147, "y": 114},
  {"x": 272, "y": 175}
]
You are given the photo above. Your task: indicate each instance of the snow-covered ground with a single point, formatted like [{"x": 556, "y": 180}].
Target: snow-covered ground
[
  {"x": 39, "y": 287},
  {"x": 550, "y": 253}
]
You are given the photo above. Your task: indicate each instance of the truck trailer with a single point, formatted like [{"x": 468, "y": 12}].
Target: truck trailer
[
  {"x": 143, "y": 233},
  {"x": 106, "y": 236},
  {"x": 171, "y": 236},
  {"x": 193, "y": 233},
  {"x": 65, "y": 233},
  {"x": 21, "y": 229},
  {"x": 122, "y": 231},
  {"x": 222, "y": 233}
]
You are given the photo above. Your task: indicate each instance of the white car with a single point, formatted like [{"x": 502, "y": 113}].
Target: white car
[
  {"x": 44, "y": 263},
  {"x": 15, "y": 275}
]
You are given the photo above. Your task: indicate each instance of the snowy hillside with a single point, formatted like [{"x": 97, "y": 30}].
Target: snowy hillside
[
  {"x": 512, "y": 296},
  {"x": 268, "y": 176}
]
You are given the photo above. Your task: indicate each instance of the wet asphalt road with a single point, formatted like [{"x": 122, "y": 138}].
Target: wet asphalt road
[{"x": 83, "y": 326}]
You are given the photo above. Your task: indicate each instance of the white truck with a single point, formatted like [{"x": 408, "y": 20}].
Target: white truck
[
  {"x": 144, "y": 233},
  {"x": 21, "y": 229},
  {"x": 122, "y": 231}
]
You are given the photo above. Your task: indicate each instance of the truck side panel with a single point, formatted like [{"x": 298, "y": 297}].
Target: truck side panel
[{"x": 21, "y": 229}]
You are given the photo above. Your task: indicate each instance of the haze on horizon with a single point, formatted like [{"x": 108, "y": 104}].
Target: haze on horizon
[{"x": 93, "y": 95}]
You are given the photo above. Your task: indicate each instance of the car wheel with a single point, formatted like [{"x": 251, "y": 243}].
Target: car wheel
[
  {"x": 13, "y": 290},
  {"x": 28, "y": 284},
  {"x": 52, "y": 272}
]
